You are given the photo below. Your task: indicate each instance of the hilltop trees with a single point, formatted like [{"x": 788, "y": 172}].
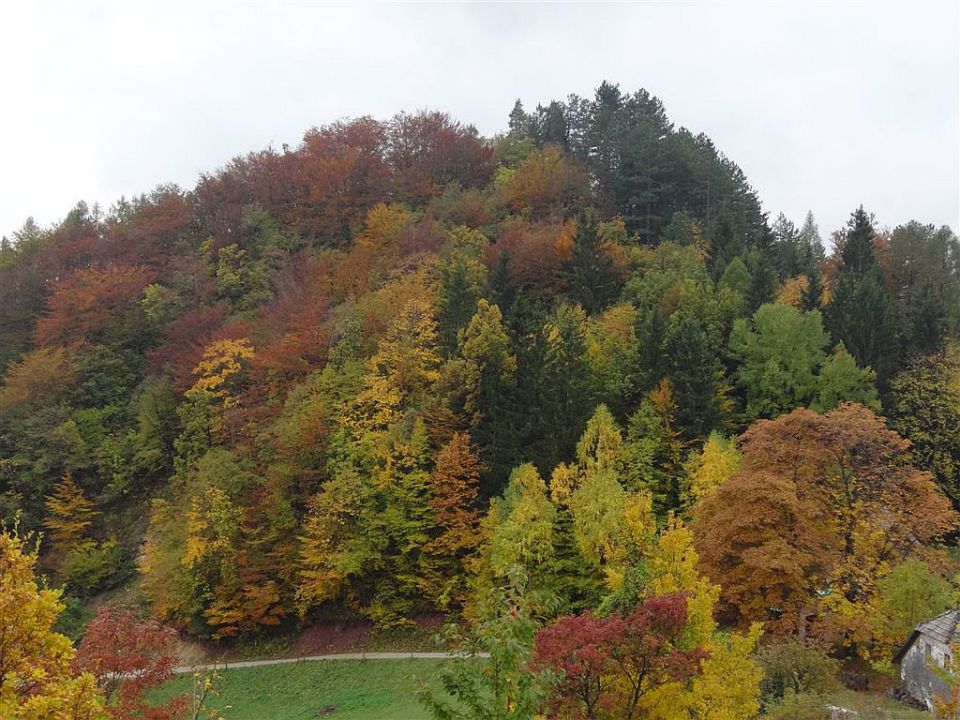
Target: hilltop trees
[{"x": 401, "y": 369}]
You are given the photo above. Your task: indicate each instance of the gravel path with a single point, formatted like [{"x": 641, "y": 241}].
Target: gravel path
[{"x": 313, "y": 658}]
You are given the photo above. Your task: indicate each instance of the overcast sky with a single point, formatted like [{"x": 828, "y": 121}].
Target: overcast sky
[{"x": 824, "y": 105}]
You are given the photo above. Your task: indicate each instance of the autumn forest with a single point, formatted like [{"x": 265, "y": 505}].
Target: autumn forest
[{"x": 569, "y": 387}]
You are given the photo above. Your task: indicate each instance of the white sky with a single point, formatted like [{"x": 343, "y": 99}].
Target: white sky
[{"x": 824, "y": 105}]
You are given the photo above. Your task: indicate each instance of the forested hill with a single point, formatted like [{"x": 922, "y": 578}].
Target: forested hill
[{"x": 372, "y": 375}]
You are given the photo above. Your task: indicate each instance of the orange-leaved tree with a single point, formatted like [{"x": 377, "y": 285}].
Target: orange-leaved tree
[
  {"x": 454, "y": 483},
  {"x": 822, "y": 506}
]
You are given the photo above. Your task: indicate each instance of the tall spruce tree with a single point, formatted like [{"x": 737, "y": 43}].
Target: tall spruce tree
[
  {"x": 787, "y": 247},
  {"x": 726, "y": 243},
  {"x": 861, "y": 313},
  {"x": 589, "y": 274}
]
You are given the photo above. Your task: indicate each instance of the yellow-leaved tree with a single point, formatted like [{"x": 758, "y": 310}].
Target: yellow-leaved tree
[
  {"x": 223, "y": 364},
  {"x": 711, "y": 467},
  {"x": 71, "y": 513},
  {"x": 728, "y": 687},
  {"x": 36, "y": 678}
]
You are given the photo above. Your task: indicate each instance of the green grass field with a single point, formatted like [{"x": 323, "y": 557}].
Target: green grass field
[
  {"x": 386, "y": 690},
  {"x": 355, "y": 689}
]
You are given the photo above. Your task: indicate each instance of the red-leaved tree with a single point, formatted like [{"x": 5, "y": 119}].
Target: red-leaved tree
[
  {"x": 608, "y": 665},
  {"x": 129, "y": 657}
]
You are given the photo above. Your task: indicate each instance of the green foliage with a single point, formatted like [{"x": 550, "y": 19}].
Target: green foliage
[
  {"x": 779, "y": 352},
  {"x": 680, "y": 230},
  {"x": 841, "y": 380},
  {"x": 462, "y": 277},
  {"x": 795, "y": 667},
  {"x": 692, "y": 345},
  {"x": 520, "y": 526},
  {"x": 926, "y": 409},
  {"x": 653, "y": 455},
  {"x": 73, "y": 619},
  {"x": 737, "y": 278},
  {"x": 861, "y": 313},
  {"x": 91, "y": 566},
  {"x": 782, "y": 364},
  {"x": 589, "y": 273},
  {"x": 908, "y": 595},
  {"x": 926, "y": 275},
  {"x": 503, "y": 687}
]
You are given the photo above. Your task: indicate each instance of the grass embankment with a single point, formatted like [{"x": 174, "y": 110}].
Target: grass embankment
[{"x": 339, "y": 690}]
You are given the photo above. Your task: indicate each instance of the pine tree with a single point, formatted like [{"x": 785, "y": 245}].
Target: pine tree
[
  {"x": 459, "y": 294},
  {"x": 812, "y": 297},
  {"x": 490, "y": 387},
  {"x": 589, "y": 274},
  {"x": 519, "y": 123},
  {"x": 811, "y": 244},
  {"x": 787, "y": 245},
  {"x": 726, "y": 243}
]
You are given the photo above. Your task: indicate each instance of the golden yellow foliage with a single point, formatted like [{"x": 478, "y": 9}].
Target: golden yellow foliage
[
  {"x": 565, "y": 241},
  {"x": 729, "y": 688},
  {"x": 563, "y": 481},
  {"x": 708, "y": 470},
  {"x": 638, "y": 532},
  {"x": 404, "y": 367},
  {"x": 222, "y": 365},
  {"x": 673, "y": 568},
  {"x": 792, "y": 290},
  {"x": 36, "y": 678}
]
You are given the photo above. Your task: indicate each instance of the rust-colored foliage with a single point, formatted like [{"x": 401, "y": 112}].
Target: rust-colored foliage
[
  {"x": 184, "y": 340},
  {"x": 40, "y": 377},
  {"x": 428, "y": 150},
  {"x": 265, "y": 179},
  {"x": 297, "y": 318},
  {"x": 147, "y": 233},
  {"x": 821, "y": 504},
  {"x": 130, "y": 657},
  {"x": 454, "y": 481},
  {"x": 533, "y": 251},
  {"x": 84, "y": 303},
  {"x": 343, "y": 172}
]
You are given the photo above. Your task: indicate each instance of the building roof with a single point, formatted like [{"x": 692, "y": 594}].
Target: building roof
[{"x": 942, "y": 628}]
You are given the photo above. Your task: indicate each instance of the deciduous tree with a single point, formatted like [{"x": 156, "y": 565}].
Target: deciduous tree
[
  {"x": 130, "y": 657},
  {"x": 37, "y": 681},
  {"x": 624, "y": 665},
  {"x": 821, "y": 505}
]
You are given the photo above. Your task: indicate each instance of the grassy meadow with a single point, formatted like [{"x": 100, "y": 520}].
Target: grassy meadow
[{"x": 340, "y": 690}]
